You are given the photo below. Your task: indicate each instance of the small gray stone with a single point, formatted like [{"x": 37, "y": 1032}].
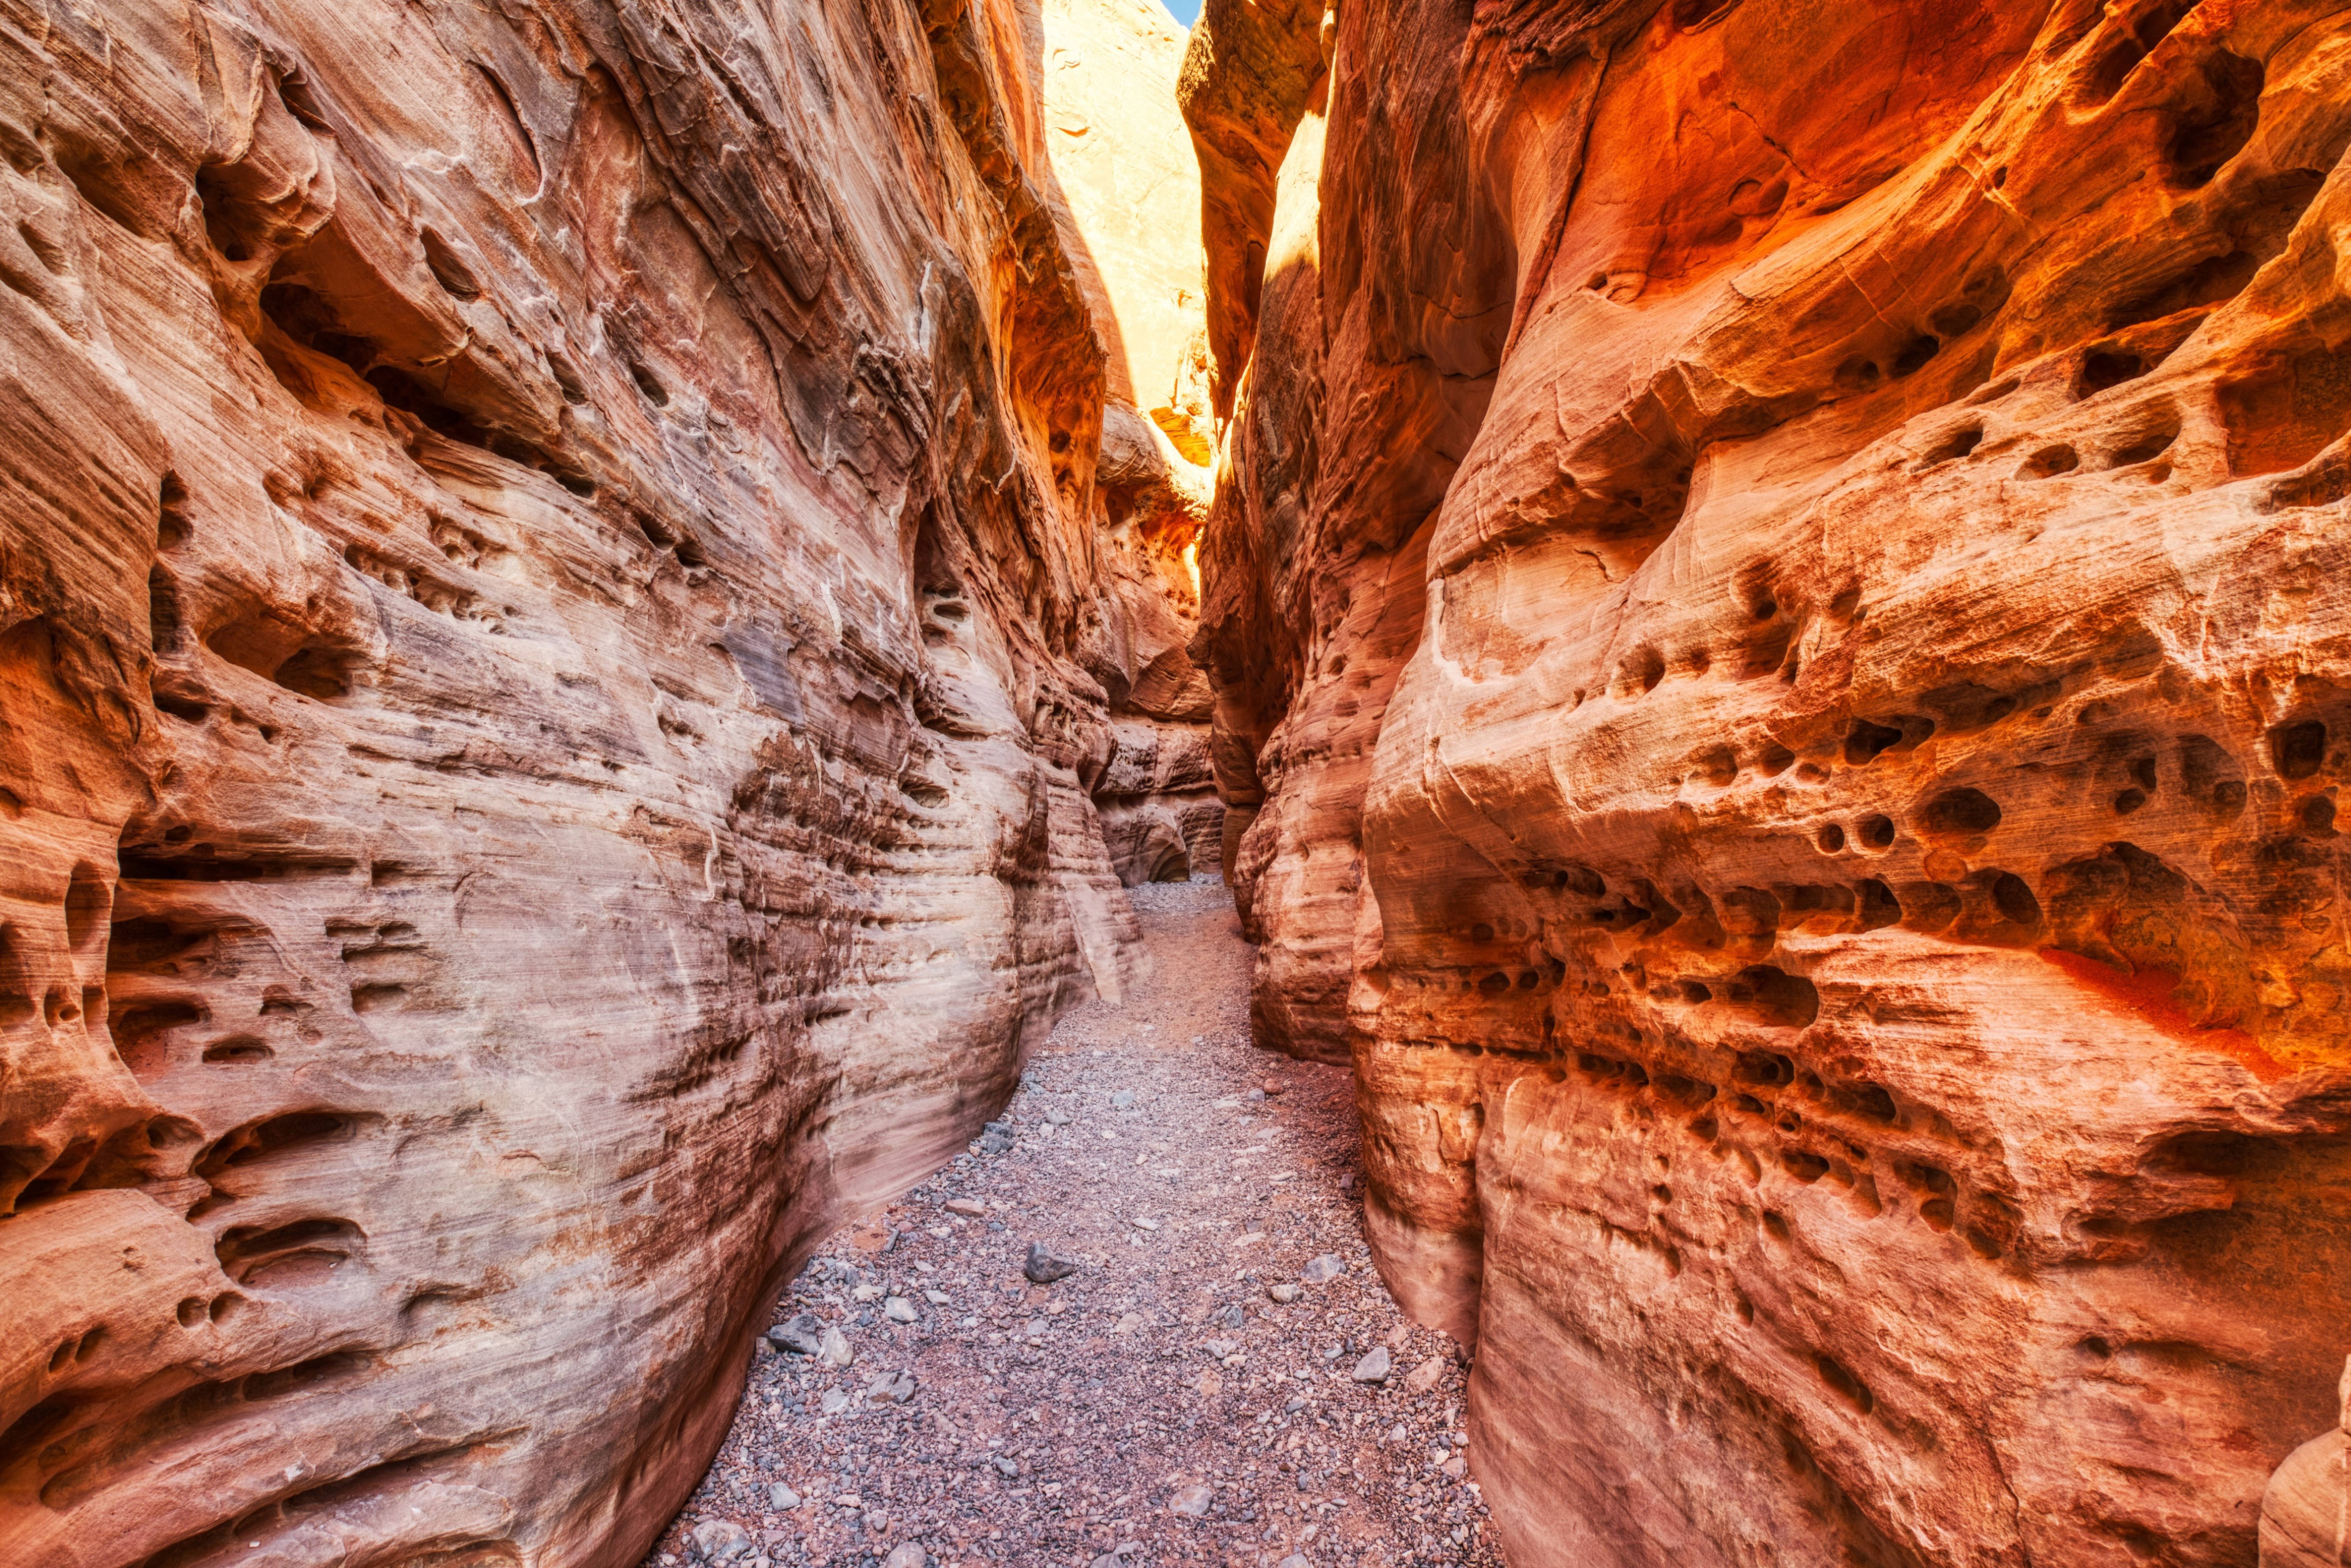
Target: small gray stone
[
  {"x": 906, "y": 1556},
  {"x": 1295, "y": 1560},
  {"x": 802, "y": 1336},
  {"x": 1123, "y": 1101},
  {"x": 1008, "y": 1469},
  {"x": 1373, "y": 1368},
  {"x": 833, "y": 1349},
  {"x": 1044, "y": 1267},
  {"x": 1284, "y": 1293},
  {"x": 834, "y": 1402},
  {"x": 1192, "y": 1503},
  {"x": 1058, "y": 1117},
  {"x": 900, "y": 1309},
  {"x": 1323, "y": 1270},
  {"x": 718, "y": 1540},
  {"x": 782, "y": 1497}
]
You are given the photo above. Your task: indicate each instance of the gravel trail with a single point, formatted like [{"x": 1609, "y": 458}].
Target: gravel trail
[{"x": 1220, "y": 1380}]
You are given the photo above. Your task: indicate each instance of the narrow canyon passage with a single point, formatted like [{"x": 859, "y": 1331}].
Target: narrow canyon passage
[
  {"x": 1201, "y": 1388},
  {"x": 1671, "y": 676}
]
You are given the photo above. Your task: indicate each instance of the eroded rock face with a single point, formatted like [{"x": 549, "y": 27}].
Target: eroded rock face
[
  {"x": 1776, "y": 607},
  {"x": 2307, "y": 1511},
  {"x": 557, "y": 621},
  {"x": 1249, "y": 70},
  {"x": 1131, "y": 187}
]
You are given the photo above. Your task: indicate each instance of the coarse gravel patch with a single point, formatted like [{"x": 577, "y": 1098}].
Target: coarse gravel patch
[{"x": 1220, "y": 1379}]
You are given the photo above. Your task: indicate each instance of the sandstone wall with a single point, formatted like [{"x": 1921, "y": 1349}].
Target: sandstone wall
[
  {"x": 1776, "y": 598},
  {"x": 1125, "y": 170},
  {"x": 558, "y": 632}
]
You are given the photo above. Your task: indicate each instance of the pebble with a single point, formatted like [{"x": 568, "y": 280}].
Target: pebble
[
  {"x": 782, "y": 1497},
  {"x": 898, "y": 1309},
  {"x": 833, "y": 1349},
  {"x": 1191, "y": 1501},
  {"x": 1284, "y": 1293},
  {"x": 1044, "y": 1266},
  {"x": 971, "y": 1208},
  {"x": 1123, "y": 1101},
  {"x": 897, "y": 1388},
  {"x": 906, "y": 1555},
  {"x": 1373, "y": 1368},
  {"x": 718, "y": 1540},
  {"x": 802, "y": 1336},
  {"x": 1323, "y": 1270}
]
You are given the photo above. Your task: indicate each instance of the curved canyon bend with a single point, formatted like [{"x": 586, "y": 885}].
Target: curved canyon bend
[{"x": 922, "y": 783}]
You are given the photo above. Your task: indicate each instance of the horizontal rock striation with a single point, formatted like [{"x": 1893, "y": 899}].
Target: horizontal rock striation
[
  {"x": 1776, "y": 622},
  {"x": 560, "y": 634}
]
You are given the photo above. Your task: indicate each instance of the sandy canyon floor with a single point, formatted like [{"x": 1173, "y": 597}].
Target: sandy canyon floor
[{"x": 1202, "y": 1389}]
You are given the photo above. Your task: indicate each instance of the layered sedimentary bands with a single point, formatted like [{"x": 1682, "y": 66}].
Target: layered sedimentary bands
[
  {"x": 1776, "y": 599},
  {"x": 592, "y": 612}
]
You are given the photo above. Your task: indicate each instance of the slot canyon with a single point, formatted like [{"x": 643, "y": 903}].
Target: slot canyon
[{"x": 655, "y": 657}]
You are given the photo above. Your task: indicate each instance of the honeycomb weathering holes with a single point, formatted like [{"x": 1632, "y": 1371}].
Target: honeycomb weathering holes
[
  {"x": 1962, "y": 812},
  {"x": 88, "y": 900}
]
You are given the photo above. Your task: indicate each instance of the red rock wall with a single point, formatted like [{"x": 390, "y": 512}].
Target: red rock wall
[
  {"x": 557, "y": 634},
  {"x": 1827, "y": 870}
]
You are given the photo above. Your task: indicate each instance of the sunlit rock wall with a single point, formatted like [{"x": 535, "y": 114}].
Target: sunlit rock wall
[
  {"x": 1777, "y": 598},
  {"x": 1125, "y": 167},
  {"x": 556, "y": 637}
]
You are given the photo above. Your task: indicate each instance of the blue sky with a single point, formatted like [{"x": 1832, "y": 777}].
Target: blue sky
[{"x": 1184, "y": 11}]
